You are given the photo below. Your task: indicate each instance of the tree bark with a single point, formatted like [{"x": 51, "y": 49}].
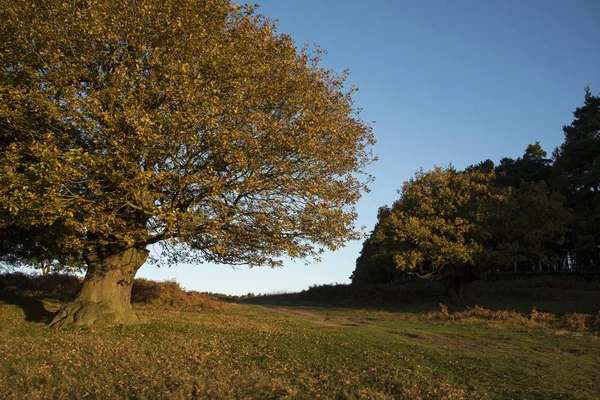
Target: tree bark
[{"x": 105, "y": 295}]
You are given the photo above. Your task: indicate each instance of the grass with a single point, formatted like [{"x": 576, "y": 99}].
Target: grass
[{"x": 287, "y": 348}]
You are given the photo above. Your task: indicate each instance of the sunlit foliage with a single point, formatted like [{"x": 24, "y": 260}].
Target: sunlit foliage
[
  {"x": 437, "y": 220},
  {"x": 193, "y": 124}
]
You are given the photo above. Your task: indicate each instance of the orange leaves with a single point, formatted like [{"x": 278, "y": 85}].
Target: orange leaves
[{"x": 181, "y": 120}]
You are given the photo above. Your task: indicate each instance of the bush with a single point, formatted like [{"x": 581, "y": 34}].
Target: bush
[
  {"x": 575, "y": 321},
  {"x": 542, "y": 317},
  {"x": 64, "y": 287},
  {"x": 170, "y": 294},
  {"x": 569, "y": 321}
]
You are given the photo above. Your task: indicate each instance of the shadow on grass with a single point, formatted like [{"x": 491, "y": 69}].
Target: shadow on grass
[
  {"x": 413, "y": 298},
  {"x": 554, "y": 296},
  {"x": 34, "y": 308}
]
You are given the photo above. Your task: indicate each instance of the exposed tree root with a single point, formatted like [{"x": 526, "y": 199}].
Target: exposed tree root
[{"x": 93, "y": 315}]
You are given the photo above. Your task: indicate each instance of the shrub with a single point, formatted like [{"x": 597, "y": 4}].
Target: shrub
[
  {"x": 444, "y": 311},
  {"x": 576, "y": 322},
  {"x": 542, "y": 317},
  {"x": 490, "y": 315},
  {"x": 569, "y": 321},
  {"x": 64, "y": 287},
  {"x": 170, "y": 294}
]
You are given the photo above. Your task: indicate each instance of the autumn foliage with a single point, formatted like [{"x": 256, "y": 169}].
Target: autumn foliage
[
  {"x": 447, "y": 218},
  {"x": 532, "y": 213},
  {"x": 192, "y": 124}
]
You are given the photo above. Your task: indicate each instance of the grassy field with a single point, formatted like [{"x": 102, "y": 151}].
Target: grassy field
[{"x": 285, "y": 347}]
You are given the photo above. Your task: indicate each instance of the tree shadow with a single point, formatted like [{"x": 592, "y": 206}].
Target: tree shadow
[
  {"x": 395, "y": 304},
  {"x": 34, "y": 308},
  {"x": 552, "y": 296}
]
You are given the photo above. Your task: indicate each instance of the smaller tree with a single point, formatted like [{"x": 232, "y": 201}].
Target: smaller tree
[
  {"x": 436, "y": 222},
  {"x": 534, "y": 166}
]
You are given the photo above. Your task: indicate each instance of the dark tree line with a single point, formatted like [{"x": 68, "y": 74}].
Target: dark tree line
[{"x": 532, "y": 213}]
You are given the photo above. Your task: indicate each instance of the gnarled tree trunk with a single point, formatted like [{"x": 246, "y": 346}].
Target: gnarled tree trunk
[{"x": 105, "y": 295}]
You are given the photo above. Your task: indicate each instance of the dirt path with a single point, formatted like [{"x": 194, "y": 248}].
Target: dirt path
[{"x": 317, "y": 317}]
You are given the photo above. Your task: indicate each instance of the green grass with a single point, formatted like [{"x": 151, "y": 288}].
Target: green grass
[{"x": 297, "y": 350}]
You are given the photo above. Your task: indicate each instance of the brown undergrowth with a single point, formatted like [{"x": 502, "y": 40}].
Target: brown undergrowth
[
  {"x": 64, "y": 288},
  {"x": 570, "y": 321},
  {"x": 172, "y": 295}
]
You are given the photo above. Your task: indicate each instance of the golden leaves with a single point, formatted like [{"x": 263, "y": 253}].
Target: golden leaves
[
  {"x": 179, "y": 119},
  {"x": 436, "y": 221}
]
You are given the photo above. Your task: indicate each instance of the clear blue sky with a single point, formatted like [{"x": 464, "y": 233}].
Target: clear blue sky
[{"x": 446, "y": 81}]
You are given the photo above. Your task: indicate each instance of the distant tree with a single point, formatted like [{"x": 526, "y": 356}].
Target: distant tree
[
  {"x": 375, "y": 263},
  {"x": 486, "y": 167},
  {"x": 188, "y": 123},
  {"x": 448, "y": 221},
  {"x": 528, "y": 224},
  {"x": 436, "y": 222},
  {"x": 534, "y": 166},
  {"x": 577, "y": 169},
  {"x": 36, "y": 248}
]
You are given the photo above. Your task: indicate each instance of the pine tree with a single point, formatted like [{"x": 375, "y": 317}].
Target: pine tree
[{"x": 577, "y": 172}]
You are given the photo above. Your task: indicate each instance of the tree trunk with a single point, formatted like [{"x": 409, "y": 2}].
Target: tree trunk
[{"x": 105, "y": 295}]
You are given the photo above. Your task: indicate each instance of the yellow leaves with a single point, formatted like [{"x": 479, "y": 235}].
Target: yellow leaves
[
  {"x": 436, "y": 219},
  {"x": 171, "y": 121}
]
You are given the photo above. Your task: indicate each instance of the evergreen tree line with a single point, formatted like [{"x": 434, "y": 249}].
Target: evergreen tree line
[{"x": 533, "y": 213}]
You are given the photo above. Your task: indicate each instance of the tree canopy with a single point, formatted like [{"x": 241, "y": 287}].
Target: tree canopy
[
  {"x": 483, "y": 217},
  {"x": 528, "y": 224},
  {"x": 577, "y": 174},
  {"x": 533, "y": 211},
  {"x": 436, "y": 221},
  {"x": 532, "y": 167},
  {"x": 189, "y": 123}
]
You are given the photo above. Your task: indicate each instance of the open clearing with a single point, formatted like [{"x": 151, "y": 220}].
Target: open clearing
[{"x": 293, "y": 350}]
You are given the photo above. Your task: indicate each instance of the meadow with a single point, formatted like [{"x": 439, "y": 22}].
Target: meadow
[{"x": 517, "y": 340}]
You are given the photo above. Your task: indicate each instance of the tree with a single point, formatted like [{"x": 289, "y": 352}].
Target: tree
[
  {"x": 532, "y": 167},
  {"x": 188, "y": 123},
  {"x": 486, "y": 167},
  {"x": 528, "y": 224},
  {"x": 436, "y": 222},
  {"x": 375, "y": 263},
  {"x": 577, "y": 172},
  {"x": 461, "y": 223}
]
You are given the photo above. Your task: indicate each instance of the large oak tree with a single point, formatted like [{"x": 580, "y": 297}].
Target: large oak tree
[{"x": 189, "y": 123}]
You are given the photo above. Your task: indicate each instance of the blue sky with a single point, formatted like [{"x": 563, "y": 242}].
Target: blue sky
[{"x": 445, "y": 81}]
